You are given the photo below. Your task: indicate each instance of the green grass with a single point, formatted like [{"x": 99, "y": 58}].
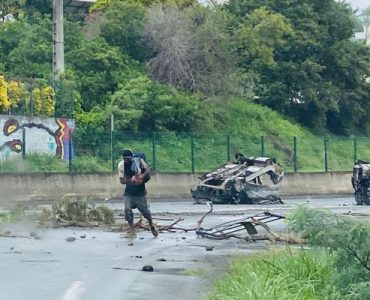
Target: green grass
[
  {"x": 34, "y": 162},
  {"x": 39, "y": 162},
  {"x": 244, "y": 126},
  {"x": 279, "y": 275},
  {"x": 6, "y": 218},
  {"x": 174, "y": 152}
]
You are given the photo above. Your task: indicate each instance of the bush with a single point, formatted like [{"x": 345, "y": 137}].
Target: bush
[
  {"x": 348, "y": 239},
  {"x": 90, "y": 164},
  {"x": 81, "y": 210}
]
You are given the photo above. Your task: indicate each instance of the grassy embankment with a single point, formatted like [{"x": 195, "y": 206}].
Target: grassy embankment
[
  {"x": 243, "y": 125},
  {"x": 239, "y": 129}
]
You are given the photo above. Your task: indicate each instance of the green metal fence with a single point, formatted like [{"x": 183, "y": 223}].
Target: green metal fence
[{"x": 175, "y": 152}]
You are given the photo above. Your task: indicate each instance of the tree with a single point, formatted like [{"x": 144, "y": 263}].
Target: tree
[
  {"x": 30, "y": 55},
  {"x": 168, "y": 34},
  {"x": 15, "y": 92},
  {"x": 4, "y": 101},
  {"x": 143, "y": 105},
  {"x": 191, "y": 49},
  {"x": 98, "y": 69},
  {"x": 11, "y": 6},
  {"x": 304, "y": 80},
  {"x": 124, "y": 26},
  {"x": 39, "y": 6},
  {"x": 10, "y": 34},
  {"x": 102, "y": 5},
  {"x": 257, "y": 39}
]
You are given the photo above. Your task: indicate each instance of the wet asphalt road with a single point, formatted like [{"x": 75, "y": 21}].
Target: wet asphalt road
[{"x": 99, "y": 264}]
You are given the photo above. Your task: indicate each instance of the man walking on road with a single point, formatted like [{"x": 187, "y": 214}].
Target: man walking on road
[{"x": 134, "y": 173}]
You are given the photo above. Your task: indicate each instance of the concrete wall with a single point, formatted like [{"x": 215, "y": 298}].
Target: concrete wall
[
  {"x": 46, "y": 186},
  {"x": 316, "y": 183}
]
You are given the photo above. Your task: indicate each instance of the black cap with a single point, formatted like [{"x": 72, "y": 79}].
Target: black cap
[{"x": 127, "y": 152}]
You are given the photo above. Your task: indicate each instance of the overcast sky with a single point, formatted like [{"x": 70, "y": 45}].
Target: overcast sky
[{"x": 360, "y": 4}]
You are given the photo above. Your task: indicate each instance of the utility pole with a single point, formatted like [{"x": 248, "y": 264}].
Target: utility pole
[{"x": 58, "y": 39}]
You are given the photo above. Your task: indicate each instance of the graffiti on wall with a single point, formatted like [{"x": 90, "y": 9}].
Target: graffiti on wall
[{"x": 24, "y": 134}]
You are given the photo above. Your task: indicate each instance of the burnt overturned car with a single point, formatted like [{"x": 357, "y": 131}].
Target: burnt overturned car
[
  {"x": 361, "y": 181},
  {"x": 252, "y": 180}
]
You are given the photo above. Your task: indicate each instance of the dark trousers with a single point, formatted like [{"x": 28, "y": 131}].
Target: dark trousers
[{"x": 141, "y": 203}]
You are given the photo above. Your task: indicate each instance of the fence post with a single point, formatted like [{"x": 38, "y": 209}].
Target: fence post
[
  {"x": 70, "y": 151},
  {"x": 23, "y": 143},
  {"x": 31, "y": 98},
  {"x": 295, "y": 154},
  {"x": 154, "y": 153},
  {"x": 192, "y": 153},
  {"x": 326, "y": 154},
  {"x": 112, "y": 149},
  {"x": 354, "y": 149},
  {"x": 228, "y": 147},
  {"x": 262, "y": 145},
  {"x": 111, "y": 140}
]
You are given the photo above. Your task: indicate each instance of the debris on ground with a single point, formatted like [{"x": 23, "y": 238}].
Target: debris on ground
[
  {"x": 356, "y": 214},
  {"x": 241, "y": 228},
  {"x": 81, "y": 213},
  {"x": 8, "y": 234},
  {"x": 77, "y": 212},
  {"x": 246, "y": 228},
  {"x": 148, "y": 268},
  {"x": 252, "y": 180}
]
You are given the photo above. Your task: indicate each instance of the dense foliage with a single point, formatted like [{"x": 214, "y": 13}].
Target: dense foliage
[{"x": 165, "y": 65}]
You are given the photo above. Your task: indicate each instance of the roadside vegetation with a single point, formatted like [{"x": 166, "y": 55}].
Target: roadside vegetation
[
  {"x": 180, "y": 69},
  {"x": 6, "y": 218},
  {"x": 77, "y": 211},
  {"x": 34, "y": 162},
  {"x": 180, "y": 152},
  {"x": 70, "y": 211},
  {"x": 13, "y": 213},
  {"x": 334, "y": 265}
]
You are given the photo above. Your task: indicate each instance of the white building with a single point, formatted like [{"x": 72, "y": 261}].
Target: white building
[{"x": 365, "y": 33}]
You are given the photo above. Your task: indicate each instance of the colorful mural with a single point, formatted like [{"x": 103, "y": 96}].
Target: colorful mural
[{"x": 49, "y": 135}]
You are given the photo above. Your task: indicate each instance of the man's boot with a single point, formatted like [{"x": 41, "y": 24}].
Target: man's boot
[
  {"x": 154, "y": 230},
  {"x": 131, "y": 234}
]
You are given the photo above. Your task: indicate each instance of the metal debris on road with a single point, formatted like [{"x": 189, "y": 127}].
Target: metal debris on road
[{"x": 242, "y": 225}]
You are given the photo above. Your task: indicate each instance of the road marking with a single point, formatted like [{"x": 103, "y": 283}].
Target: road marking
[{"x": 74, "y": 291}]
